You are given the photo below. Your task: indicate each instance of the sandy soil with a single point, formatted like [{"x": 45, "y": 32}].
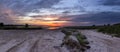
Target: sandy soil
[
  {"x": 50, "y": 41},
  {"x": 100, "y": 42},
  {"x": 31, "y": 41}
]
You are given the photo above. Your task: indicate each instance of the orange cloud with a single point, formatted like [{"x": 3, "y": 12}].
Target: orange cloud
[{"x": 51, "y": 21}]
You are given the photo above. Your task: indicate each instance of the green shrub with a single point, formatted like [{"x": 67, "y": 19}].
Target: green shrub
[
  {"x": 66, "y": 32},
  {"x": 81, "y": 41},
  {"x": 115, "y": 29},
  {"x": 81, "y": 36}
]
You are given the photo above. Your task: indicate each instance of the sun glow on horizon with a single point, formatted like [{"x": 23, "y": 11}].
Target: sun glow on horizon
[{"x": 51, "y": 21}]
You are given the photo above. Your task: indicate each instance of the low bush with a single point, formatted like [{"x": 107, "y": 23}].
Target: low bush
[
  {"x": 114, "y": 29},
  {"x": 81, "y": 43}
]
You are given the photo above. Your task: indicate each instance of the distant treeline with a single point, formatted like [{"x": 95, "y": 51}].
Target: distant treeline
[
  {"x": 83, "y": 27},
  {"x": 11, "y": 26},
  {"x": 90, "y": 27}
]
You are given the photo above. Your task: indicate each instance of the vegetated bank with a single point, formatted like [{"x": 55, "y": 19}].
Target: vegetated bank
[
  {"x": 75, "y": 41},
  {"x": 113, "y": 30}
]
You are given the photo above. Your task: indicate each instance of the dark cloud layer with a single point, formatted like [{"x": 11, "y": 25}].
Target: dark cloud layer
[
  {"x": 46, "y": 3},
  {"x": 28, "y": 5},
  {"x": 100, "y": 18},
  {"x": 83, "y": 12},
  {"x": 112, "y": 2}
]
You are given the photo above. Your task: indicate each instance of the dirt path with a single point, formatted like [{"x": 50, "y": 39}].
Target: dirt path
[
  {"x": 31, "y": 41},
  {"x": 50, "y": 41},
  {"x": 100, "y": 42}
]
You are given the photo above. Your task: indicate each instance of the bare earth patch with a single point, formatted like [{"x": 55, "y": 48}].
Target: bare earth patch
[
  {"x": 31, "y": 41},
  {"x": 50, "y": 41},
  {"x": 100, "y": 42}
]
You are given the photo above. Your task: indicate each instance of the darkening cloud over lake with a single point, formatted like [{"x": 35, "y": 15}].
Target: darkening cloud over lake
[{"x": 60, "y": 12}]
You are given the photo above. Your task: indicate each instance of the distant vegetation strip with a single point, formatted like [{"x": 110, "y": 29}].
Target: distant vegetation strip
[
  {"x": 113, "y": 30},
  {"x": 17, "y": 27}
]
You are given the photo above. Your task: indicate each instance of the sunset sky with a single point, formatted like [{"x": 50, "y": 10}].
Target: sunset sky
[{"x": 60, "y": 12}]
